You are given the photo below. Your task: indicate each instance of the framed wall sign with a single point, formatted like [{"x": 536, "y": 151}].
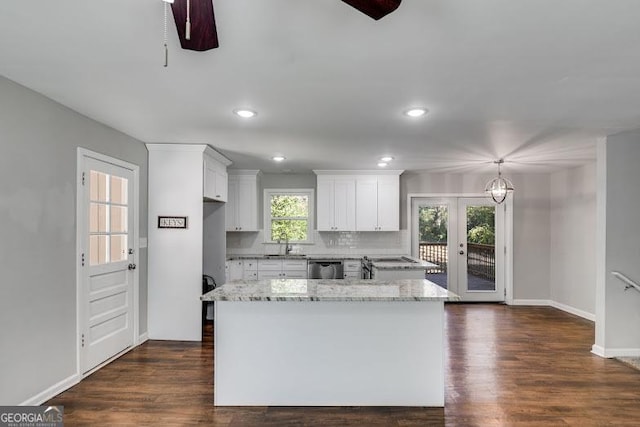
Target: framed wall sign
[{"x": 172, "y": 222}]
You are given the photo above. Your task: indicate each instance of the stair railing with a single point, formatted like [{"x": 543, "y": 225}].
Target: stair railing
[{"x": 627, "y": 282}]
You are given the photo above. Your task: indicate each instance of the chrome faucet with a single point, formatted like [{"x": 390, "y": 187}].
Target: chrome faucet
[{"x": 287, "y": 246}]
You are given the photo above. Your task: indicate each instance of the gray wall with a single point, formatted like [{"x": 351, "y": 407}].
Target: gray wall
[
  {"x": 573, "y": 238},
  {"x": 38, "y": 142},
  {"x": 531, "y": 225},
  {"x": 622, "y": 246}
]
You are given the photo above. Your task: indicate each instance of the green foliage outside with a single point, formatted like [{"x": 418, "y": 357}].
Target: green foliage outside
[
  {"x": 481, "y": 224},
  {"x": 432, "y": 223},
  {"x": 289, "y": 217}
]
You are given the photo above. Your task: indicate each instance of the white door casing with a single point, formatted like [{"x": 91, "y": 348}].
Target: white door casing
[{"x": 107, "y": 252}]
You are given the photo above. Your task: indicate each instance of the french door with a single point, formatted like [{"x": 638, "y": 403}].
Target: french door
[
  {"x": 465, "y": 238},
  {"x": 108, "y": 259}
]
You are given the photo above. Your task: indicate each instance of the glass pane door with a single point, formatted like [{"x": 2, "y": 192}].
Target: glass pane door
[
  {"x": 477, "y": 238},
  {"x": 432, "y": 238}
]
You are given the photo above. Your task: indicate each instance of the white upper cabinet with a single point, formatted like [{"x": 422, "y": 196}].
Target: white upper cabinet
[
  {"x": 378, "y": 203},
  {"x": 242, "y": 205},
  {"x": 336, "y": 207},
  {"x": 358, "y": 200},
  {"x": 215, "y": 179}
]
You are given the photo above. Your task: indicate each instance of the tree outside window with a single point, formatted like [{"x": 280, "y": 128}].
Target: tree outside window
[{"x": 289, "y": 215}]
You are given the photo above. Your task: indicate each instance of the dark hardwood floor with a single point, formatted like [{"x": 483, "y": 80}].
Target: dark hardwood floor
[{"x": 505, "y": 366}]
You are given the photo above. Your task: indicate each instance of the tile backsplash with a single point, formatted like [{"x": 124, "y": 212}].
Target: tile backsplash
[{"x": 337, "y": 242}]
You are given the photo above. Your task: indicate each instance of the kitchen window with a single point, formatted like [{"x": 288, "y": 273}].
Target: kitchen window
[{"x": 288, "y": 215}]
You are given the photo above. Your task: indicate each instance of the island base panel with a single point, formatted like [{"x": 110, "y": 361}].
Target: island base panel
[{"x": 329, "y": 353}]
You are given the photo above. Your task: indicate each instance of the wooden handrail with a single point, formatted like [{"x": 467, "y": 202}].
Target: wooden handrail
[{"x": 628, "y": 282}]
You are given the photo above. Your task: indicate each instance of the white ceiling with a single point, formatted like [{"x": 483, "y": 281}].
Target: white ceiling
[{"x": 533, "y": 81}]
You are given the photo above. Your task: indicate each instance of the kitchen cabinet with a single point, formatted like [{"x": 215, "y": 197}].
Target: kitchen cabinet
[
  {"x": 352, "y": 269},
  {"x": 250, "y": 269},
  {"x": 215, "y": 179},
  {"x": 234, "y": 269},
  {"x": 378, "y": 203},
  {"x": 336, "y": 207},
  {"x": 282, "y": 269},
  {"x": 242, "y": 203}
]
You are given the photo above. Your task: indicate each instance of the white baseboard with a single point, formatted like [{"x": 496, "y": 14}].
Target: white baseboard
[
  {"x": 574, "y": 311},
  {"x": 536, "y": 302},
  {"x": 615, "y": 352},
  {"x": 554, "y": 304},
  {"x": 142, "y": 338},
  {"x": 74, "y": 379},
  {"x": 52, "y": 391}
]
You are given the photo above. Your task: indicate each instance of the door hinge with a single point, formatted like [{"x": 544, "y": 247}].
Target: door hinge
[
  {"x": 82, "y": 340},
  {"x": 82, "y": 259},
  {"x": 505, "y": 250},
  {"x": 83, "y": 177}
]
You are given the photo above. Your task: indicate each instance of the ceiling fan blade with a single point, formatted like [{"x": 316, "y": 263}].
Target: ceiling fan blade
[
  {"x": 374, "y": 8},
  {"x": 203, "y": 24}
]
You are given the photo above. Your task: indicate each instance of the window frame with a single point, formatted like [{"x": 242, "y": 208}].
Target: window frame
[{"x": 268, "y": 192}]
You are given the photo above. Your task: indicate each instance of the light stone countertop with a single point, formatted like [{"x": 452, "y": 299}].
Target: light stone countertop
[
  {"x": 330, "y": 290},
  {"x": 378, "y": 261}
]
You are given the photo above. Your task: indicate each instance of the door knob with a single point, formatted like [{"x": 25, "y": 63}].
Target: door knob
[
  {"x": 132, "y": 266},
  {"x": 461, "y": 252}
]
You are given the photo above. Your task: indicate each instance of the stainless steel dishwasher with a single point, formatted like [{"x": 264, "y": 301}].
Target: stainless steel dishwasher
[{"x": 325, "y": 269}]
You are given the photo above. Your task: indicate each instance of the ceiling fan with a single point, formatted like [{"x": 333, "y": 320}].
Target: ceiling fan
[{"x": 196, "y": 25}]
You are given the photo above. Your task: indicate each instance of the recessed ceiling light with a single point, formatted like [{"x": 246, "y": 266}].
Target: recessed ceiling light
[
  {"x": 278, "y": 158},
  {"x": 416, "y": 112},
  {"x": 386, "y": 159},
  {"x": 244, "y": 113},
  {"x": 382, "y": 164}
]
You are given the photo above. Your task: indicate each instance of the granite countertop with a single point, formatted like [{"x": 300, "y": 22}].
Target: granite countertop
[
  {"x": 295, "y": 256},
  {"x": 402, "y": 262},
  {"x": 330, "y": 290}
]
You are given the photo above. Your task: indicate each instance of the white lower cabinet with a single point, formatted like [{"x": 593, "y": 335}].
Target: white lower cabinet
[
  {"x": 250, "y": 269},
  {"x": 235, "y": 270},
  {"x": 282, "y": 269},
  {"x": 352, "y": 269}
]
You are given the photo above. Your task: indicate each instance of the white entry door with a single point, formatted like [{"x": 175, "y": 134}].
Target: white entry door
[{"x": 107, "y": 260}]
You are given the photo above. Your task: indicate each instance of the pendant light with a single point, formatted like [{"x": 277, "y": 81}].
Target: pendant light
[{"x": 498, "y": 188}]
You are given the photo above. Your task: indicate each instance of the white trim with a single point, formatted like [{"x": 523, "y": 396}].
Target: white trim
[
  {"x": 531, "y": 302},
  {"x": 74, "y": 379},
  {"x": 359, "y": 172},
  {"x": 142, "y": 338},
  {"x": 83, "y": 153},
  {"x": 551, "y": 303},
  {"x": 574, "y": 311},
  {"x": 177, "y": 147},
  {"x": 615, "y": 352},
  {"x": 52, "y": 391}
]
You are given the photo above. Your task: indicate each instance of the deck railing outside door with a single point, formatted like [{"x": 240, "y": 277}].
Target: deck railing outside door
[{"x": 481, "y": 259}]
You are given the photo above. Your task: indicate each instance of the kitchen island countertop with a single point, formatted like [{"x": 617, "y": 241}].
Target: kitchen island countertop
[{"x": 330, "y": 290}]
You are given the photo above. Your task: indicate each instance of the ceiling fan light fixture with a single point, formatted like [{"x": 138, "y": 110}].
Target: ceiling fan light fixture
[
  {"x": 416, "y": 112},
  {"x": 499, "y": 187},
  {"x": 278, "y": 158},
  {"x": 382, "y": 164},
  {"x": 386, "y": 159},
  {"x": 375, "y": 9},
  {"x": 244, "y": 113}
]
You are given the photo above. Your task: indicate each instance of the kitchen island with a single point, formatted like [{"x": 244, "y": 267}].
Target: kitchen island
[{"x": 329, "y": 343}]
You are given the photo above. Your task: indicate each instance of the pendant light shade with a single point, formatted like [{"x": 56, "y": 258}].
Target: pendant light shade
[{"x": 499, "y": 187}]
